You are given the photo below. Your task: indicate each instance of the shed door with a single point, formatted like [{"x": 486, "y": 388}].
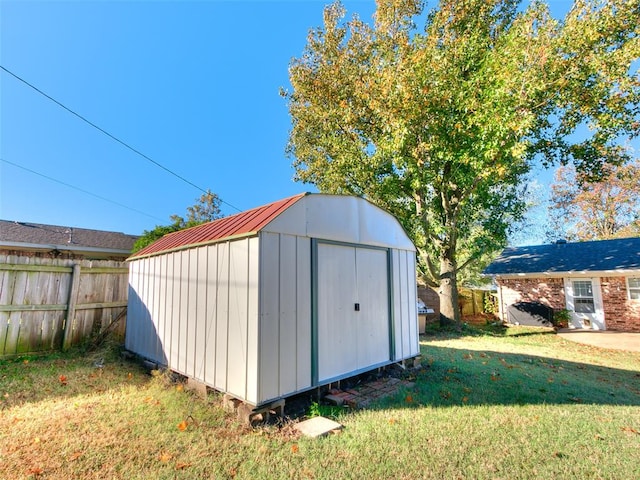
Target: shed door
[{"x": 352, "y": 310}]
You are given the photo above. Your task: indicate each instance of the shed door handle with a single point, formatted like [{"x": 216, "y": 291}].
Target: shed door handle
[{"x": 357, "y": 307}]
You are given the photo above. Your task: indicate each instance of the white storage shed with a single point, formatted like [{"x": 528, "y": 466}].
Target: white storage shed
[{"x": 279, "y": 299}]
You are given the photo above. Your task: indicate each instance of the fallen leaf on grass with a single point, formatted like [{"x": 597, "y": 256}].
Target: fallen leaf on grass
[
  {"x": 576, "y": 399},
  {"x": 495, "y": 377},
  {"x": 179, "y": 388},
  {"x": 129, "y": 376},
  {"x": 74, "y": 456},
  {"x": 182, "y": 426},
  {"x": 467, "y": 390},
  {"x": 164, "y": 457},
  {"x": 25, "y": 361},
  {"x": 182, "y": 466},
  {"x": 294, "y": 448},
  {"x": 408, "y": 399},
  {"x": 467, "y": 356},
  {"x": 392, "y": 421},
  {"x": 558, "y": 454},
  {"x": 35, "y": 471},
  {"x": 63, "y": 379},
  {"x": 629, "y": 430},
  {"x": 599, "y": 437},
  {"x": 465, "y": 399},
  {"x": 36, "y": 440}
]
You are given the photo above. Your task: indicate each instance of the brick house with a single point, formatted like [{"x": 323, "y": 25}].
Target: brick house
[{"x": 597, "y": 281}]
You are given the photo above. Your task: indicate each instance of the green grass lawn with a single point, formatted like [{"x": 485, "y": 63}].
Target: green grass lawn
[{"x": 503, "y": 404}]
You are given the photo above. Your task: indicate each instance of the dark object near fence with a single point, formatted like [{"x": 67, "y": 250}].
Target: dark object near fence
[{"x": 531, "y": 314}]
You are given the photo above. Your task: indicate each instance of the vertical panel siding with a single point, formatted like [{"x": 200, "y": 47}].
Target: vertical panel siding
[
  {"x": 199, "y": 353},
  {"x": 201, "y": 307},
  {"x": 142, "y": 314},
  {"x": 252, "y": 315},
  {"x": 303, "y": 313},
  {"x": 222, "y": 317},
  {"x": 269, "y": 333},
  {"x": 192, "y": 306},
  {"x": 174, "y": 308},
  {"x": 404, "y": 303},
  {"x": 412, "y": 307},
  {"x": 237, "y": 335},
  {"x": 183, "y": 317},
  {"x": 153, "y": 273},
  {"x": 134, "y": 305},
  {"x": 405, "y": 317},
  {"x": 163, "y": 324},
  {"x": 287, "y": 314},
  {"x": 211, "y": 318}
]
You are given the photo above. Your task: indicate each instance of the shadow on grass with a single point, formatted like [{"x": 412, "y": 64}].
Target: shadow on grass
[
  {"x": 458, "y": 377},
  {"x": 436, "y": 333},
  {"x": 31, "y": 378}
]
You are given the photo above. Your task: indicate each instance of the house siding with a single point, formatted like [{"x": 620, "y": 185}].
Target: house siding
[
  {"x": 549, "y": 291},
  {"x": 620, "y": 313}
]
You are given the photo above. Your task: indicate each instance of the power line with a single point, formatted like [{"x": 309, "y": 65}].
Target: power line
[
  {"x": 79, "y": 189},
  {"x": 112, "y": 136}
]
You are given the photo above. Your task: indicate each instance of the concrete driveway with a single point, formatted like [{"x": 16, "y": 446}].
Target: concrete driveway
[{"x": 603, "y": 339}]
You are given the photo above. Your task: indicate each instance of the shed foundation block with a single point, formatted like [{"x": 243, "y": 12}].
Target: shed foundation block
[
  {"x": 198, "y": 387},
  {"x": 249, "y": 414}
]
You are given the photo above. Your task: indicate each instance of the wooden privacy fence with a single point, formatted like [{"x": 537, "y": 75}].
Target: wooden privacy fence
[
  {"x": 472, "y": 301},
  {"x": 51, "y": 304}
]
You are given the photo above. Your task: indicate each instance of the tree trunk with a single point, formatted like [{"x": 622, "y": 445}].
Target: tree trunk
[{"x": 448, "y": 291}]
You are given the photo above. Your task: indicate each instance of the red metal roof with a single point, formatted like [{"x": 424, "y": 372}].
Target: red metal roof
[{"x": 245, "y": 223}]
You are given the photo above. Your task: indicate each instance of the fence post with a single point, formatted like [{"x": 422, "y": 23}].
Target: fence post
[{"x": 71, "y": 307}]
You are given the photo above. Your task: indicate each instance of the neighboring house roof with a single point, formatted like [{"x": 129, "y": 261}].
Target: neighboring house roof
[
  {"x": 596, "y": 256},
  {"x": 41, "y": 237},
  {"x": 241, "y": 224}
]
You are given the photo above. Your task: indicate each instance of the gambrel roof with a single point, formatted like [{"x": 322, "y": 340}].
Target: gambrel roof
[
  {"x": 330, "y": 217},
  {"x": 617, "y": 255}
]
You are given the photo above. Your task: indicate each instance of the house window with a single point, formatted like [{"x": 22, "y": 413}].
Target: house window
[
  {"x": 583, "y": 296},
  {"x": 633, "y": 285}
]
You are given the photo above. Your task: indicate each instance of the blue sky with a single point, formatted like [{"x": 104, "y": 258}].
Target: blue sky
[{"x": 192, "y": 85}]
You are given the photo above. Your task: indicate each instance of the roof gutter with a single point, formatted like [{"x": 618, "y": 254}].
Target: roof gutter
[
  {"x": 192, "y": 245},
  {"x": 569, "y": 273},
  {"x": 71, "y": 248}
]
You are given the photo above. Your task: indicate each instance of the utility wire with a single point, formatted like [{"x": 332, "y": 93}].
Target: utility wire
[
  {"x": 79, "y": 189},
  {"x": 112, "y": 136}
]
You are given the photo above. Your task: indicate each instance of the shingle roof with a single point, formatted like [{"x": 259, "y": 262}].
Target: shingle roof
[
  {"x": 245, "y": 223},
  {"x": 15, "y": 233},
  {"x": 601, "y": 255}
]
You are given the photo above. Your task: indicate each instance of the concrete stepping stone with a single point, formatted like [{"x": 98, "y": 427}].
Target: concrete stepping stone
[{"x": 317, "y": 427}]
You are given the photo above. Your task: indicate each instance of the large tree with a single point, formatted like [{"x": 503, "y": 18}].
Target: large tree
[
  {"x": 440, "y": 125},
  {"x": 597, "y": 210}
]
